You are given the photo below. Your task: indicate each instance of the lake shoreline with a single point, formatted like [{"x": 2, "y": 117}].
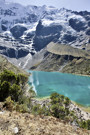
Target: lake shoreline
[
  {"x": 79, "y": 111},
  {"x": 83, "y": 107},
  {"x": 63, "y": 73}
]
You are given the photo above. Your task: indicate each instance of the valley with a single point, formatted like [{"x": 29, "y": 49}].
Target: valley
[{"x": 44, "y": 70}]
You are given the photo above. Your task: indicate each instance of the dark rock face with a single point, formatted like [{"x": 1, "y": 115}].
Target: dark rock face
[
  {"x": 10, "y": 52},
  {"x": 69, "y": 38},
  {"x": 2, "y": 48},
  {"x": 89, "y": 41},
  {"x": 85, "y": 14},
  {"x": 89, "y": 23},
  {"x": 30, "y": 35},
  {"x": 9, "y": 12},
  {"x": 13, "y": 53},
  {"x": 77, "y": 25},
  {"x": 44, "y": 31},
  {"x": 40, "y": 43},
  {"x": 4, "y": 28},
  {"x": 39, "y": 28},
  {"x": 32, "y": 18},
  {"x": 22, "y": 52},
  {"x": 87, "y": 17},
  {"x": 44, "y": 35},
  {"x": 88, "y": 32},
  {"x": 18, "y": 30}
]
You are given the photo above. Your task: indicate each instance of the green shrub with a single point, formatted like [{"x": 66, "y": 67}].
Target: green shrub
[
  {"x": 32, "y": 93},
  {"x": 8, "y": 76},
  {"x": 67, "y": 101},
  {"x": 35, "y": 109},
  {"x": 9, "y": 103},
  {"x": 54, "y": 96},
  {"x": 22, "y": 108},
  {"x": 15, "y": 91},
  {"x": 88, "y": 124},
  {"x": 67, "y": 118},
  {"x": 40, "y": 110},
  {"x": 55, "y": 110},
  {"x": 4, "y": 90},
  {"x": 11, "y": 85},
  {"x": 60, "y": 107},
  {"x": 85, "y": 124},
  {"x": 22, "y": 79}
]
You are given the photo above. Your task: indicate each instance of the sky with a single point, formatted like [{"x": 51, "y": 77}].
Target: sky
[{"x": 76, "y": 5}]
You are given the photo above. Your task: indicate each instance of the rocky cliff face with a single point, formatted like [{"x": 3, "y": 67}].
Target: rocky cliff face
[{"x": 26, "y": 30}]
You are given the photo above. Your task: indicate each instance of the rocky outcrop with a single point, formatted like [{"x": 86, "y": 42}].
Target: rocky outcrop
[
  {"x": 89, "y": 23},
  {"x": 69, "y": 38},
  {"x": 4, "y": 28},
  {"x": 41, "y": 30},
  {"x": 10, "y": 52},
  {"x": 88, "y": 32},
  {"x": 81, "y": 115},
  {"x": 22, "y": 52},
  {"x": 32, "y": 18},
  {"x": 44, "y": 35},
  {"x": 18, "y": 30},
  {"x": 77, "y": 25}
]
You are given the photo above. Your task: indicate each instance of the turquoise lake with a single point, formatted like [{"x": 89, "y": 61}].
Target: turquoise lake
[{"x": 76, "y": 87}]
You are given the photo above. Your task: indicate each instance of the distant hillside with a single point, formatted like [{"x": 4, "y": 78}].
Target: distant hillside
[
  {"x": 59, "y": 49},
  {"x": 5, "y": 64},
  {"x": 64, "y": 58}
]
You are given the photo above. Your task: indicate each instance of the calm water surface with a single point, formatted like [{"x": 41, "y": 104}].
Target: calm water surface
[{"x": 77, "y": 88}]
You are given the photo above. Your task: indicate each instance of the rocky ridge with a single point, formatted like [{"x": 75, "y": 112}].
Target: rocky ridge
[{"x": 61, "y": 58}]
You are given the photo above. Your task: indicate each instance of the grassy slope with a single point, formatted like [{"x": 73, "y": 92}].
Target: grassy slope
[
  {"x": 28, "y": 124},
  {"x": 65, "y": 58},
  {"x": 5, "y": 64},
  {"x": 60, "y": 49}
]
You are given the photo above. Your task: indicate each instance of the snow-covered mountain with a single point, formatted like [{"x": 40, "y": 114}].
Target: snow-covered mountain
[{"x": 24, "y": 30}]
